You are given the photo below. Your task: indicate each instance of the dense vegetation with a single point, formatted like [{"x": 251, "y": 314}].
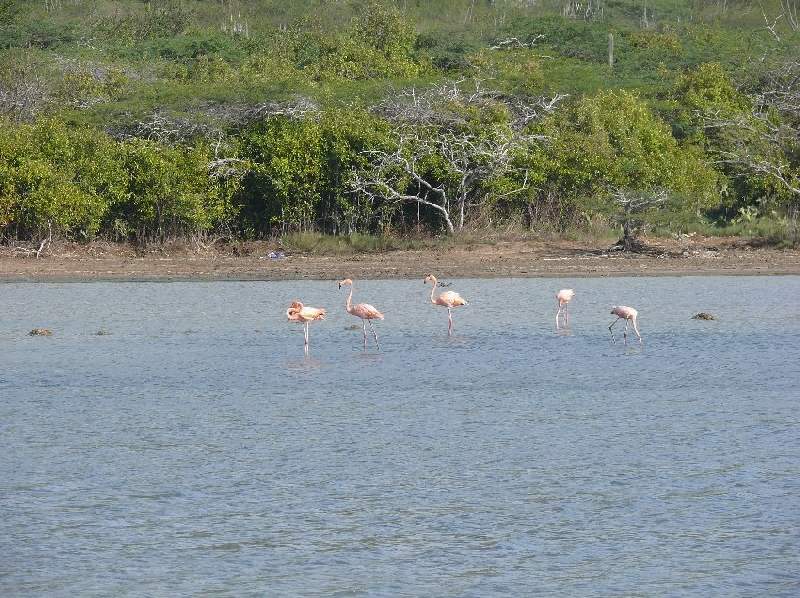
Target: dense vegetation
[{"x": 141, "y": 121}]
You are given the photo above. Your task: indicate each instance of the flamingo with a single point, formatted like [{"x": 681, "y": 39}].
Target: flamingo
[
  {"x": 628, "y": 314},
  {"x": 449, "y": 299},
  {"x": 564, "y": 297},
  {"x": 365, "y": 311},
  {"x": 298, "y": 312}
]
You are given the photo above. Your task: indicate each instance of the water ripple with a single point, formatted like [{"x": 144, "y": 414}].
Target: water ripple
[{"x": 197, "y": 450}]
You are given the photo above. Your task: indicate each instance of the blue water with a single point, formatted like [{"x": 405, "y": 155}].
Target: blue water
[{"x": 194, "y": 450}]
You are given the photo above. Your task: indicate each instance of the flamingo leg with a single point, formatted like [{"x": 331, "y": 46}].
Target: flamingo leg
[
  {"x": 375, "y": 334},
  {"x": 566, "y": 315},
  {"x": 625, "y": 333},
  {"x": 306, "y": 334},
  {"x": 636, "y": 329},
  {"x": 364, "y": 324},
  {"x": 449, "y": 320},
  {"x": 558, "y": 313},
  {"x": 611, "y": 328}
]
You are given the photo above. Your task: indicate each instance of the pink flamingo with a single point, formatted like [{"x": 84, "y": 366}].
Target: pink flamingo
[
  {"x": 365, "y": 311},
  {"x": 300, "y": 313},
  {"x": 629, "y": 315},
  {"x": 449, "y": 299},
  {"x": 564, "y": 297}
]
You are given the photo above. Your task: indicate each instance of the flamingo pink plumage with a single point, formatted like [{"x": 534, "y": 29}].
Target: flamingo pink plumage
[
  {"x": 298, "y": 312},
  {"x": 449, "y": 299},
  {"x": 564, "y": 297},
  {"x": 365, "y": 311},
  {"x": 623, "y": 312}
]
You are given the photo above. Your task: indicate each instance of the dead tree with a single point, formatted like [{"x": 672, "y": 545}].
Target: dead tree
[
  {"x": 765, "y": 141},
  {"x": 439, "y": 126},
  {"x": 632, "y": 207}
]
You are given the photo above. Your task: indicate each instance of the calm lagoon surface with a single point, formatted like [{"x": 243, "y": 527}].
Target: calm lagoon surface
[{"x": 192, "y": 449}]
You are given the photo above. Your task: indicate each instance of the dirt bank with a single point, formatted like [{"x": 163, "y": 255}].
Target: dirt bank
[{"x": 675, "y": 257}]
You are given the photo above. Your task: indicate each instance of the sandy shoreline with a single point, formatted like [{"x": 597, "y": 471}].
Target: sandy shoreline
[{"x": 562, "y": 259}]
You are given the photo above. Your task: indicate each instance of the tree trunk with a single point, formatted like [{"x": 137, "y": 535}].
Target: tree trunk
[{"x": 627, "y": 229}]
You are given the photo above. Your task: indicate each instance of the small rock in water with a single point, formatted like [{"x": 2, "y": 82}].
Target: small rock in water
[
  {"x": 704, "y": 316},
  {"x": 40, "y": 332}
]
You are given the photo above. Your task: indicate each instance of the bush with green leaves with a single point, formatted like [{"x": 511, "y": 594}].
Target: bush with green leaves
[
  {"x": 299, "y": 168},
  {"x": 612, "y": 141},
  {"x": 377, "y": 44},
  {"x": 91, "y": 91},
  {"x": 56, "y": 179},
  {"x": 171, "y": 193}
]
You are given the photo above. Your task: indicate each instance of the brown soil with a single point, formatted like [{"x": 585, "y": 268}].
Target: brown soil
[{"x": 687, "y": 255}]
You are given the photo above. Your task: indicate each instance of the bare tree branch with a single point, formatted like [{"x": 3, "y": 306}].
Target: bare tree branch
[
  {"x": 23, "y": 94},
  {"x": 515, "y": 43},
  {"x": 766, "y": 141},
  {"x": 634, "y": 204},
  {"x": 388, "y": 177},
  {"x": 437, "y": 126}
]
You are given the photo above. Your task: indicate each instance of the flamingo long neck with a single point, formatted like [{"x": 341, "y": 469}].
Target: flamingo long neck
[
  {"x": 349, "y": 297},
  {"x": 433, "y": 289}
]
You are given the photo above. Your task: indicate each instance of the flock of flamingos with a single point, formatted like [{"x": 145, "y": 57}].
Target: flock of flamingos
[{"x": 298, "y": 312}]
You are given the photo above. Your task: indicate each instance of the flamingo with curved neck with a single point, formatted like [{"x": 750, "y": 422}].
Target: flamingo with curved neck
[
  {"x": 564, "y": 297},
  {"x": 623, "y": 312},
  {"x": 298, "y": 312}
]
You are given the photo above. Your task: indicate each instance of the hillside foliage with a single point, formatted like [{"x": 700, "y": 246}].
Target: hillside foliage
[{"x": 142, "y": 121}]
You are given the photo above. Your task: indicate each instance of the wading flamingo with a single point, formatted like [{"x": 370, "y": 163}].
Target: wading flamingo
[
  {"x": 365, "y": 311},
  {"x": 300, "y": 313},
  {"x": 449, "y": 299},
  {"x": 628, "y": 314},
  {"x": 564, "y": 297}
]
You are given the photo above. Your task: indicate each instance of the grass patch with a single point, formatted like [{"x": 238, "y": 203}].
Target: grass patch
[
  {"x": 321, "y": 244},
  {"x": 778, "y": 230}
]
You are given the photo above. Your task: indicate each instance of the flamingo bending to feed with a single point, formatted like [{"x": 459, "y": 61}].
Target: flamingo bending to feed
[
  {"x": 628, "y": 314},
  {"x": 449, "y": 299},
  {"x": 298, "y": 312},
  {"x": 365, "y": 311},
  {"x": 564, "y": 297}
]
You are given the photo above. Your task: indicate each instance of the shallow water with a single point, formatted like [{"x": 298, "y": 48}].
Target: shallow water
[{"x": 193, "y": 449}]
